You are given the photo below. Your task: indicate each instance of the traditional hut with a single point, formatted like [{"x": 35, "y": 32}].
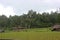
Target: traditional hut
[
  {"x": 56, "y": 28},
  {"x": 18, "y": 28},
  {"x": 2, "y": 31}
]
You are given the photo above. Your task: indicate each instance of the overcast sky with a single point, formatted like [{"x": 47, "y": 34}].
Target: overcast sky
[{"x": 18, "y": 7}]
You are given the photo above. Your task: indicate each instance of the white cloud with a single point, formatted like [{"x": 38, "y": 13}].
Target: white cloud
[
  {"x": 22, "y": 6},
  {"x": 49, "y": 10},
  {"x": 6, "y": 10}
]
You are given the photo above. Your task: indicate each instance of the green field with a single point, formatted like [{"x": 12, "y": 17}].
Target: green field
[{"x": 31, "y": 34}]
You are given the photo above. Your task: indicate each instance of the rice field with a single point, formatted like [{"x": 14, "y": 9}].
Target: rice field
[{"x": 32, "y": 34}]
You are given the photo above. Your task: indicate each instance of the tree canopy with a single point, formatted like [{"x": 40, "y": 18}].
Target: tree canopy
[{"x": 30, "y": 20}]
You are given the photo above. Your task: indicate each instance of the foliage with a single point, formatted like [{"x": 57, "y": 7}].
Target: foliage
[
  {"x": 30, "y": 20},
  {"x": 32, "y": 35}
]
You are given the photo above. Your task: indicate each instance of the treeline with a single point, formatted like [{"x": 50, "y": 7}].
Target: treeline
[{"x": 30, "y": 20}]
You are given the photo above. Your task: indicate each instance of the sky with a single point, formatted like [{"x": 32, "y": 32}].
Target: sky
[{"x": 18, "y": 7}]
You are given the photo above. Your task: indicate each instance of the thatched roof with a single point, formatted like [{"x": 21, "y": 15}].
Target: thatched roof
[
  {"x": 18, "y": 27},
  {"x": 1, "y": 31},
  {"x": 56, "y": 26}
]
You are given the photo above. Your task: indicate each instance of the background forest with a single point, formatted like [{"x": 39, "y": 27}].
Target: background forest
[{"x": 30, "y": 20}]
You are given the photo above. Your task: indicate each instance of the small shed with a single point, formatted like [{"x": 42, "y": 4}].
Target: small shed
[{"x": 56, "y": 28}]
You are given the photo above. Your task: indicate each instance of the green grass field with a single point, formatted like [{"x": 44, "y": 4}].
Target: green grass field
[{"x": 31, "y": 34}]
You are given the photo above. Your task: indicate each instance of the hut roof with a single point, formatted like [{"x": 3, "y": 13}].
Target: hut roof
[
  {"x": 56, "y": 26},
  {"x": 18, "y": 27},
  {"x": 1, "y": 30}
]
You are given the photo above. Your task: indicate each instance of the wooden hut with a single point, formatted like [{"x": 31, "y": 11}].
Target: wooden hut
[{"x": 56, "y": 28}]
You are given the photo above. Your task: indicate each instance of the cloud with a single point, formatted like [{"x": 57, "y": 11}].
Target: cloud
[
  {"x": 6, "y": 10},
  {"x": 22, "y": 6},
  {"x": 54, "y": 10},
  {"x": 49, "y": 10}
]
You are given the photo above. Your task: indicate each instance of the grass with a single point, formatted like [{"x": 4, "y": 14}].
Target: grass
[{"x": 32, "y": 34}]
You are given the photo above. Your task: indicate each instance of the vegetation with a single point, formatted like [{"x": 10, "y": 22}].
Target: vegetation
[
  {"x": 30, "y": 20},
  {"x": 37, "y": 26},
  {"x": 32, "y": 34}
]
